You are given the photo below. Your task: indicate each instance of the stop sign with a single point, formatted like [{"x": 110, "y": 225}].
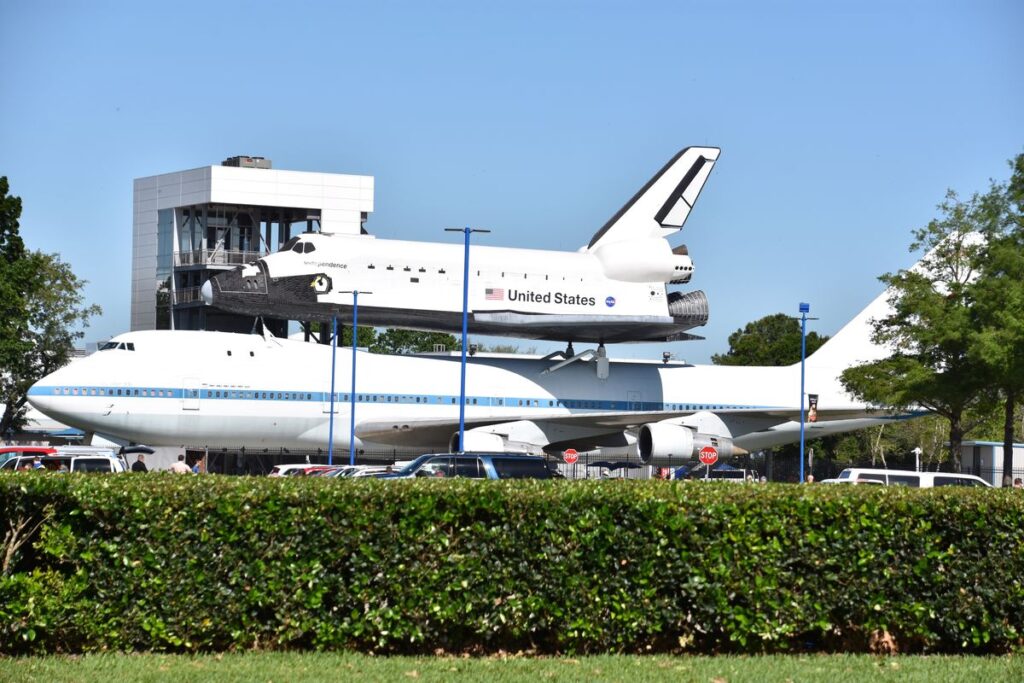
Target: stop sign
[
  {"x": 570, "y": 456},
  {"x": 708, "y": 455}
]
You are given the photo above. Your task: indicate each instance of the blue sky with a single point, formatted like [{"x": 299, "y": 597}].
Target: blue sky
[{"x": 841, "y": 125}]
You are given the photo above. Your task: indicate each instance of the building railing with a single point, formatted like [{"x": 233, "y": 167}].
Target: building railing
[
  {"x": 187, "y": 295},
  {"x": 231, "y": 257}
]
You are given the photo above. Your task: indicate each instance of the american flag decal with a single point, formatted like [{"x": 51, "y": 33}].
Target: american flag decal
[{"x": 494, "y": 294}]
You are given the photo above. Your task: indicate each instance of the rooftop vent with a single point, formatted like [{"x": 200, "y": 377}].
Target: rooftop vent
[{"x": 246, "y": 162}]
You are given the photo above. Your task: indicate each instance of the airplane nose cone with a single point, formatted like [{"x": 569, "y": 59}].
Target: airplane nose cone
[{"x": 206, "y": 291}]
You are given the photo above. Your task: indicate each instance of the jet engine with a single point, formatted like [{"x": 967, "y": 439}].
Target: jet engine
[
  {"x": 479, "y": 441},
  {"x": 672, "y": 442},
  {"x": 491, "y": 440}
]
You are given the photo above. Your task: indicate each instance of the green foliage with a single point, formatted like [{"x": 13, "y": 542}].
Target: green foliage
[
  {"x": 395, "y": 341},
  {"x": 366, "y": 338},
  {"x": 936, "y": 319},
  {"x": 41, "y": 313},
  {"x": 53, "y": 315},
  {"x": 771, "y": 340},
  {"x": 187, "y": 564},
  {"x": 11, "y": 245},
  {"x": 998, "y": 340}
]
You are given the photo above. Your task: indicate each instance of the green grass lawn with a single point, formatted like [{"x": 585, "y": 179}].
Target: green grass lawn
[{"x": 303, "y": 667}]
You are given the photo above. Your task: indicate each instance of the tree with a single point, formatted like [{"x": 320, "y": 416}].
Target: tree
[
  {"x": 12, "y": 251},
  {"x": 771, "y": 340},
  {"x": 365, "y": 339},
  {"x": 998, "y": 342},
  {"x": 932, "y": 324},
  {"x": 396, "y": 341},
  {"x": 43, "y": 314}
]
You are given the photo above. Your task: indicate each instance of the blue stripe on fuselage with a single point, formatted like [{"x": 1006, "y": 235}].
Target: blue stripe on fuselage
[{"x": 208, "y": 394}]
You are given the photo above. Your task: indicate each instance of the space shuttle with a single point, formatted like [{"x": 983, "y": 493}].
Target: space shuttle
[
  {"x": 613, "y": 290},
  {"x": 215, "y": 389}
]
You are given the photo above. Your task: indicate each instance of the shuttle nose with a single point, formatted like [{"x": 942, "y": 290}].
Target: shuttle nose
[{"x": 206, "y": 291}]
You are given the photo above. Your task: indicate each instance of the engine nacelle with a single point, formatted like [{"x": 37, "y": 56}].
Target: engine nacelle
[
  {"x": 663, "y": 444},
  {"x": 483, "y": 442},
  {"x": 649, "y": 260}
]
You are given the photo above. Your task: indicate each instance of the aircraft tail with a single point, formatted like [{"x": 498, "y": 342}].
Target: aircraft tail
[
  {"x": 660, "y": 208},
  {"x": 852, "y": 345}
]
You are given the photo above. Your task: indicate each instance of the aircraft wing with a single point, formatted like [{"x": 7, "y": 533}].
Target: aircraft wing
[{"x": 436, "y": 432}]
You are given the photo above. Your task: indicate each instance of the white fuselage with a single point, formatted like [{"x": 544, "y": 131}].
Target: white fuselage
[
  {"x": 234, "y": 390},
  {"x": 613, "y": 293}
]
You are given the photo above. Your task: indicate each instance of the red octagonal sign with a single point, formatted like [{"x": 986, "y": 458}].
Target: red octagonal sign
[
  {"x": 570, "y": 456},
  {"x": 708, "y": 455}
]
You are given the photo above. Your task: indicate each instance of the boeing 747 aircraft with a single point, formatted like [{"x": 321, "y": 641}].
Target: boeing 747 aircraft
[
  {"x": 214, "y": 389},
  {"x": 614, "y": 289}
]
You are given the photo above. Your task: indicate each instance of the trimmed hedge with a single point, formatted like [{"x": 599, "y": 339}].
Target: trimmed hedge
[{"x": 169, "y": 563}]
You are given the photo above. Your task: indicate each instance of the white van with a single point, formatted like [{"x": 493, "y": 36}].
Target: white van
[
  {"x": 917, "y": 480},
  {"x": 71, "y": 459}
]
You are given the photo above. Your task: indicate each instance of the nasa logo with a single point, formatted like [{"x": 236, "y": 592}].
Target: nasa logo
[{"x": 609, "y": 302}]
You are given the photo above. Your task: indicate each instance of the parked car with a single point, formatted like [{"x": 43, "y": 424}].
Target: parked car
[
  {"x": 476, "y": 466},
  {"x": 720, "y": 473},
  {"x": 9, "y": 452},
  {"x": 287, "y": 470},
  {"x": 376, "y": 471},
  {"x": 342, "y": 471},
  {"x": 923, "y": 480},
  {"x": 853, "y": 482},
  {"x": 310, "y": 471},
  {"x": 70, "y": 459}
]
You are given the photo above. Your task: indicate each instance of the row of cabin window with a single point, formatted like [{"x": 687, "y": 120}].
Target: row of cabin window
[{"x": 293, "y": 396}]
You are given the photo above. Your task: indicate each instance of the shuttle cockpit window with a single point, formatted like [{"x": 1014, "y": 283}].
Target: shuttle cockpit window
[
  {"x": 106, "y": 346},
  {"x": 287, "y": 246},
  {"x": 308, "y": 247}
]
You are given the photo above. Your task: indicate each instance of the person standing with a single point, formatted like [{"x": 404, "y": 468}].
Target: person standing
[
  {"x": 180, "y": 467},
  {"x": 197, "y": 468},
  {"x": 140, "y": 465}
]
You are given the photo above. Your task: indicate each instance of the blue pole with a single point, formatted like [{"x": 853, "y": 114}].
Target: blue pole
[
  {"x": 804, "y": 309},
  {"x": 355, "y": 333},
  {"x": 334, "y": 354},
  {"x": 465, "y": 329}
]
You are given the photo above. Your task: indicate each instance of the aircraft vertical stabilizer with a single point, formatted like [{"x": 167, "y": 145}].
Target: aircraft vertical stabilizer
[{"x": 660, "y": 208}]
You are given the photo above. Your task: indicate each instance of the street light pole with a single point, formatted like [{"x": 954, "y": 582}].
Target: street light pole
[
  {"x": 804, "y": 310},
  {"x": 352, "y": 397},
  {"x": 465, "y": 327},
  {"x": 334, "y": 354}
]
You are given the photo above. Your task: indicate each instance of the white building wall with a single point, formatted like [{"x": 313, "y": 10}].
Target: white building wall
[
  {"x": 341, "y": 199},
  {"x": 990, "y": 460}
]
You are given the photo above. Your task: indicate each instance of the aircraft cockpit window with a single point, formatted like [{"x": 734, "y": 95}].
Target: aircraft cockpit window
[
  {"x": 297, "y": 248},
  {"x": 287, "y": 246},
  {"x": 130, "y": 346},
  {"x": 308, "y": 247},
  {"x": 106, "y": 346}
]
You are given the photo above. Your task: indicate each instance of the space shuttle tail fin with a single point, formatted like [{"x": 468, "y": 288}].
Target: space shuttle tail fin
[{"x": 661, "y": 206}]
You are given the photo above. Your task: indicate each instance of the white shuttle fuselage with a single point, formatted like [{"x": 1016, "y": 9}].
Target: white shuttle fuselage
[{"x": 615, "y": 289}]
